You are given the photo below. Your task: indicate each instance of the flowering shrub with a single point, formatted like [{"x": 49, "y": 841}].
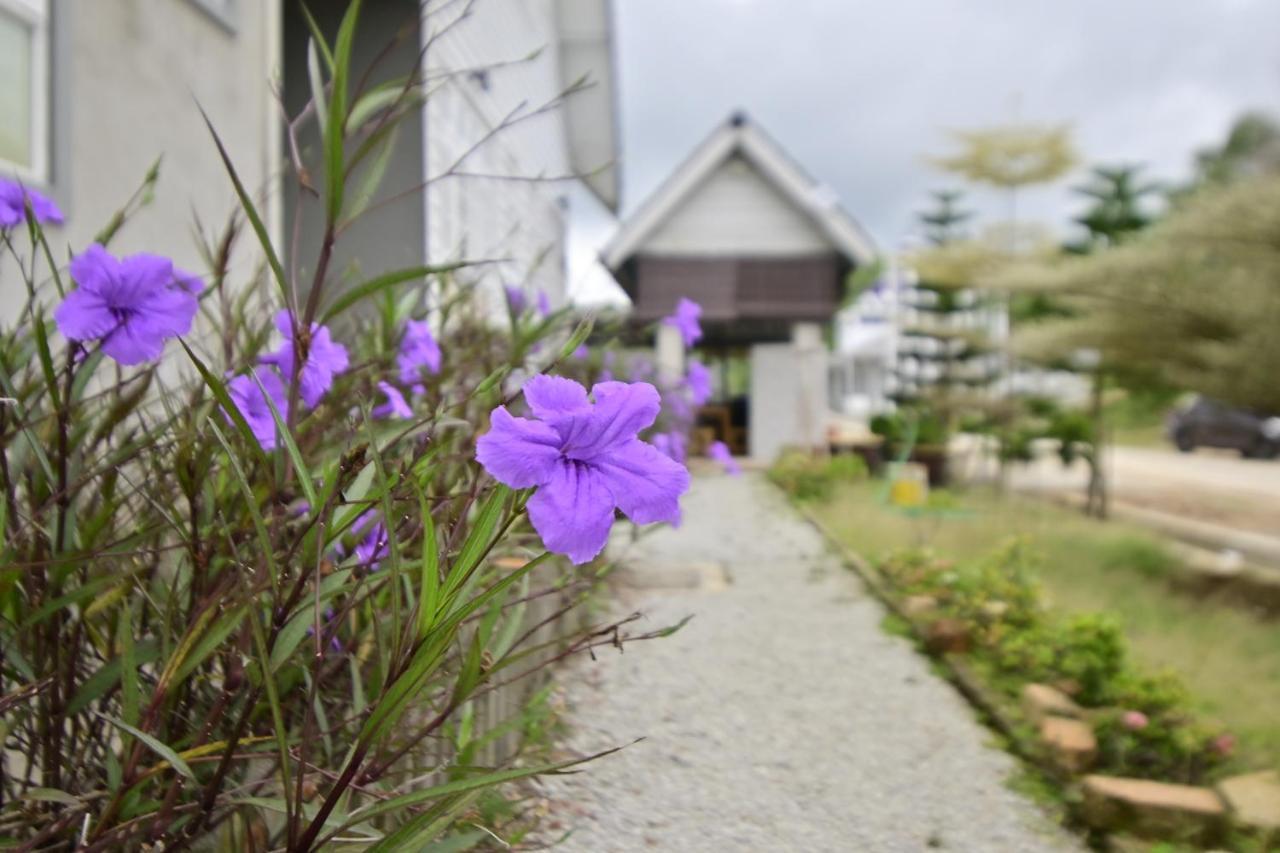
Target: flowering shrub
[{"x": 257, "y": 599}]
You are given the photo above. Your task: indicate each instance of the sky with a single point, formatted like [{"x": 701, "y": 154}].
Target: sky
[{"x": 862, "y": 92}]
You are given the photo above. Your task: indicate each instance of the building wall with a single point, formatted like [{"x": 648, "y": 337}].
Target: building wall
[
  {"x": 483, "y": 75},
  {"x": 130, "y": 74},
  {"x": 735, "y": 211}
]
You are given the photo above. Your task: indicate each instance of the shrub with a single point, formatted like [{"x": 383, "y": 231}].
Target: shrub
[
  {"x": 257, "y": 591},
  {"x": 806, "y": 476}
]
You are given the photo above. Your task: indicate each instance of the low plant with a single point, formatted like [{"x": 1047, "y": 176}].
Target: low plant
[{"x": 806, "y": 476}]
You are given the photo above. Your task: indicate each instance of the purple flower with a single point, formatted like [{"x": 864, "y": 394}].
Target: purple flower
[
  {"x": 584, "y": 459},
  {"x": 719, "y": 451},
  {"x": 516, "y": 300},
  {"x": 698, "y": 380},
  {"x": 329, "y": 617},
  {"x": 671, "y": 444},
  {"x": 252, "y": 403},
  {"x": 324, "y": 359},
  {"x": 395, "y": 407},
  {"x": 544, "y": 303},
  {"x": 13, "y": 199},
  {"x": 582, "y": 353},
  {"x": 641, "y": 368},
  {"x": 374, "y": 545},
  {"x": 418, "y": 349},
  {"x": 685, "y": 318},
  {"x": 133, "y": 305}
]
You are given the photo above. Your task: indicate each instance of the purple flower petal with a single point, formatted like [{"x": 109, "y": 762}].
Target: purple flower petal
[
  {"x": 573, "y": 511},
  {"x": 544, "y": 303},
  {"x": 133, "y": 305},
  {"x": 13, "y": 198},
  {"x": 517, "y": 451},
  {"x": 325, "y": 359},
  {"x": 84, "y": 315},
  {"x": 249, "y": 399},
  {"x": 719, "y": 451},
  {"x": 395, "y": 407},
  {"x": 418, "y": 349},
  {"x": 516, "y": 300},
  {"x": 645, "y": 484},
  {"x": 698, "y": 380},
  {"x": 549, "y": 396},
  {"x": 622, "y": 410},
  {"x": 685, "y": 318}
]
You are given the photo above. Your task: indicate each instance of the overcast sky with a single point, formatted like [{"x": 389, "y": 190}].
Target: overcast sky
[{"x": 860, "y": 92}]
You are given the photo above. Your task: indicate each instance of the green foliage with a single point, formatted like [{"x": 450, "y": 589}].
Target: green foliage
[
  {"x": 194, "y": 651},
  {"x": 1116, "y": 209},
  {"x": 806, "y": 476},
  {"x": 1018, "y": 641}
]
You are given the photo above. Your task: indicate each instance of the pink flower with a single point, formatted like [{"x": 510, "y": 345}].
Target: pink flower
[
  {"x": 1223, "y": 744},
  {"x": 1134, "y": 720}
]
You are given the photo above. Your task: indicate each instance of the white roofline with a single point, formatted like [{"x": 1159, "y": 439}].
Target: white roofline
[
  {"x": 585, "y": 32},
  {"x": 739, "y": 135}
]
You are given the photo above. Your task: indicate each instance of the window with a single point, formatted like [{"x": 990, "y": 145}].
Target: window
[{"x": 24, "y": 89}]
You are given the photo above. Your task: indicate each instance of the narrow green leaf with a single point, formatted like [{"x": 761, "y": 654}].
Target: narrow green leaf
[
  {"x": 148, "y": 651},
  {"x": 318, "y": 37},
  {"x": 429, "y": 589},
  {"x": 160, "y": 749},
  {"x": 335, "y": 136},
  {"x": 490, "y": 382},
  {"x": 229, "y": 408},
  {"x": 250, "y": 211},
  {"x": 351, "y": 296},
  {"x": 578, "y": 338},
  {"x": 317, "y": 86}
]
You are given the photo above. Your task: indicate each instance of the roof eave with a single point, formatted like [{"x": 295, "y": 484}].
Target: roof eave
[{"x": 585, "y": 34}]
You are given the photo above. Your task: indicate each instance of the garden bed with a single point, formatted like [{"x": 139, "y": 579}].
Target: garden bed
[{"x": 1159, "y": 689}]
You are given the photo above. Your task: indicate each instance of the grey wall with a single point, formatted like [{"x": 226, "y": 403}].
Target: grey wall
[{"x": 390, "y": 236}]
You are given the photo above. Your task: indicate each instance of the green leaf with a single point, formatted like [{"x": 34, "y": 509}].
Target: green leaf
[
  {"x": 351, "y": 296},
  {"x": 317, "y": 86},
  {"x": 429, "y": 590},
  {"x": 250, "y": 211},
  {"x": 578, "y": 338},
  {"x": 335, "y": 135},
  {"x": 51, "y": 795},
  {"x": 148, "y": 651},
  {"x": 154, "y": 745},
  {"x": 478, "y": 540},
  {"x": 229, "y": 408},
  {"x": 489, "y": 382}
]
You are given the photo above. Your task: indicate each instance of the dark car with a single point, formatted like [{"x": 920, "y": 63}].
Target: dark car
[{"x": 1208, "y": 423}]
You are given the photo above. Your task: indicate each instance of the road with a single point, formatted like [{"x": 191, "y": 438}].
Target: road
[{"x": 1218, "y": 487}]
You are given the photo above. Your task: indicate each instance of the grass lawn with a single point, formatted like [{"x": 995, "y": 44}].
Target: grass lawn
[{"x": 1229, "y": 659}]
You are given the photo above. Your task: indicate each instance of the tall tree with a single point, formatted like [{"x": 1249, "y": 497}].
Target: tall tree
[
  {"x": 944, "y": 222},
  {"x": 1118, "y": 207}
]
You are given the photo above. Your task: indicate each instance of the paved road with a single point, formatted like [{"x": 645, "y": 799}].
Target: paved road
[
  {"x": 781, "y": 718},
  {"x": 1207, "y": 485}
]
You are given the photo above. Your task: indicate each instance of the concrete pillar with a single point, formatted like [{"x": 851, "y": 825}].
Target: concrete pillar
[
  {"x": 669, "y": 354},
  {"x": 811, "y": 389}
]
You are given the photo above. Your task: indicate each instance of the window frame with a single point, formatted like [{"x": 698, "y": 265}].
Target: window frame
[{"x": 36, "y": 14}]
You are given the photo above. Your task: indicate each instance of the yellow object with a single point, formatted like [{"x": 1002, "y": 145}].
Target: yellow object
[{"x": 910, "y": 487}]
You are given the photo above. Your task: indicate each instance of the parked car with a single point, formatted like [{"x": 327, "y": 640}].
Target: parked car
[{"x": 1208, "y": 423}]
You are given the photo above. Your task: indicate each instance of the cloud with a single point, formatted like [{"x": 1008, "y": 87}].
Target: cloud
[{"x": 859, "y": 92}]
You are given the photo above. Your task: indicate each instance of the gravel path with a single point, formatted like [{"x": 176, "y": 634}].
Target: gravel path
[{"x": 781, "y": 718}]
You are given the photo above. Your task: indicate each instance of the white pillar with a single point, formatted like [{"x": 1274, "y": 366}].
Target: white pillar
[
  {"x": 811, "y": 388},
  {"x": 669, "y": 354}
]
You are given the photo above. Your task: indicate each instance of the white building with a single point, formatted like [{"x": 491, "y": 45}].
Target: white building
[
  {"x": 765, "y": 249},
  {"x": 91, "y": 93}
]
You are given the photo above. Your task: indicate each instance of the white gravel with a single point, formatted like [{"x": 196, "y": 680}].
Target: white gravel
[{"x": 781, "y": 718}]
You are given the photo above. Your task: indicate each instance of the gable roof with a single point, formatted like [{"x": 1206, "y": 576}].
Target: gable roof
[{"x": 738, "y": 135}]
